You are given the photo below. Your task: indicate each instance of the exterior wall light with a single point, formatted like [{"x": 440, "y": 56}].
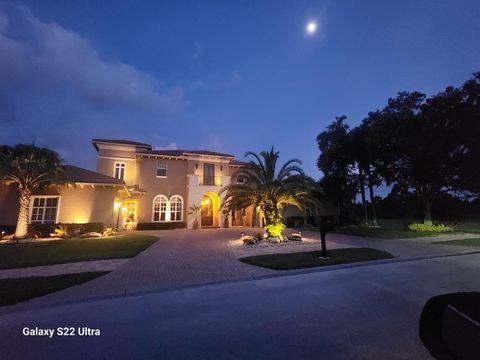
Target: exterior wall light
[{"x": 117, "y": 205}]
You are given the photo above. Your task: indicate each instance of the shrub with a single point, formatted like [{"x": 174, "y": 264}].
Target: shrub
[
  {"x": 8, "y": 229},
  {"x": 429, "y": 227},
  {"x": 45, "y": 230},
  {"x": 67, "y": 231},
  {"x": 161, "y": 226},
  {"x": 275, "y": 230},
  {"x": 109, "y": 231},
  {"x": 249, "y": 240}
]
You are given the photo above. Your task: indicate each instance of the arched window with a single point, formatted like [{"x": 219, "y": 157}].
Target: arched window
[
  {"x": 160, "y": 208},
  {"x": 176, "y": 208}
]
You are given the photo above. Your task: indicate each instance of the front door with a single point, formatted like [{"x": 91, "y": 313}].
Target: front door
[
  {"x": 207, "y": 212},
  {"x": 130, "y": 215}
]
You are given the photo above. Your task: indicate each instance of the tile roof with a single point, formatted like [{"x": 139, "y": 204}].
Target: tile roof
[
  {"x": 120, "y": 141},
  {"x": 80, "y": 175},
  {"x": 238, "y": 163},
  {"x": 183, "y": 152}
]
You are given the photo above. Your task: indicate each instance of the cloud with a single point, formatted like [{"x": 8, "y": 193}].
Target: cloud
[
  {"x": 57, "y": 89},
  {"x": 46, "y": 55}
]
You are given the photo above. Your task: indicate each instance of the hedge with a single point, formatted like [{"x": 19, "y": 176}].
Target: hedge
[
  {"x": 9, "y": 229},
  {"x": 46, "y": 229},
  {"x": 161, "y": 226}
]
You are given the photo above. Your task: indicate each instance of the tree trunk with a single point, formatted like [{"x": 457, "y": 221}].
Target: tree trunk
[
  {"x": 427, "y": 212},
  {"x": 21, "y": 230},
  {"x": 364, "y": 201},
  {"x": 372, "y": 204}
]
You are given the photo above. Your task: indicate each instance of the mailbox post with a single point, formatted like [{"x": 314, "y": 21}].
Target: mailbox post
[{"x": 327, "y": 223}]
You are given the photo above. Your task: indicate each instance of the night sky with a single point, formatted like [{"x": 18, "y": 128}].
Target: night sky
[{"x": 227, "y": 76}]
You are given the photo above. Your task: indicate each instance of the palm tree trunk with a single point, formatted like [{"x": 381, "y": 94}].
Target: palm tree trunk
[
  {"x": 427, "y": 211},
  {"x": 21, "y": 230}
]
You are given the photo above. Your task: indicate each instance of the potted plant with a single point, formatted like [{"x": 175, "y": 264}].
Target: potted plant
[{"x": 195, "y": 210}]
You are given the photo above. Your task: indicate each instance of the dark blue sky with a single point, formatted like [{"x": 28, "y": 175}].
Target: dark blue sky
[{"x": 222, "y": 75}]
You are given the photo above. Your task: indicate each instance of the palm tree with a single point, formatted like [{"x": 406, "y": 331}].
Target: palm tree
[
  {"x": 28, "y": 167},
  {"x": 269, "y": 190},
  {"x": 195, "y": 210}
]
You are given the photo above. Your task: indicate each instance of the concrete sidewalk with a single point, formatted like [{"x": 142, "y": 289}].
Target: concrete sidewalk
[{"x": 60, "y": 269}]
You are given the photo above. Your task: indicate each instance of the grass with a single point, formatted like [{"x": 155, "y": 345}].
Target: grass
[
  {"x": 300, "y": 260},
  {"x": 461, "y": 242},
  {"x": 13, "y": 291},
  {"x": 468, "y": 227},
  {"x": 395, "y": 229},
  {"x": 387, "y": 230},
  {"x": 72, "y": 250}
]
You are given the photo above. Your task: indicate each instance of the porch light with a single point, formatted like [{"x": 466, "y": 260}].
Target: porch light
[{"x": 117, "y": 205}]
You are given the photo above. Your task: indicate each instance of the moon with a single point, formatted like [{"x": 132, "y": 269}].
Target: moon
[{"x": 311, "y": 27}]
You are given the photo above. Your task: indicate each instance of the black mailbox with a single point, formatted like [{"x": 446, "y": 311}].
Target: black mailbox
[{"x": 327, "y": 223}]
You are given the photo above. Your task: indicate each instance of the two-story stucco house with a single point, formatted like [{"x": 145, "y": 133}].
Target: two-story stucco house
[{"x": 163, "y": 185}]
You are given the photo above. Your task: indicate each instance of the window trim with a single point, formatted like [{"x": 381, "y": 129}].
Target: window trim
[
  {"x": 30, "y": 208},
  {"x": 167, "y": 209},
  {"x": 170, "y": 208},
  {"x": 124, "y": 169},
  {"x": 166, "y": 169}
]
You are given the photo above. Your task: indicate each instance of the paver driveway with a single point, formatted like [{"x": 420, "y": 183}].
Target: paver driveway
[
  {"x": 180, "y": 258},
  {"x": 185, "y": 257}
]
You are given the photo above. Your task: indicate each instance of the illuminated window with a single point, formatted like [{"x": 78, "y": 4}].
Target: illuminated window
[
  {"x": 43, "y": 209},
  {"x": 160, "y": 208},
  {"x": 176, "y": 208},
  {"x": 161, "y": 168},
  {"x": 119, "y": 170}
]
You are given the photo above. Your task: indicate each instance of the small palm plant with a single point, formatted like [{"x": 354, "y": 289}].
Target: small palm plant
[
  {"x": 269, "y": 190},
  {"x": 195, "y": 210},
  {"x": 29, "y": 167}
]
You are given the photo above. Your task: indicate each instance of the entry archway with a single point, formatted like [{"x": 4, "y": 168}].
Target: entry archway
[{"x": 210, "y": 210}]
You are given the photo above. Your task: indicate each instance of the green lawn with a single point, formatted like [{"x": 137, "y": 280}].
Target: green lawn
[
  {"x": 308, "y": 259},
  {"x": 396, "y": 229},
  {"x": 385, "y": 232},
  {"x": 13, "y": 291},
  {"x": 73, "y": 250},
  {"x": 461, "y": 242},
  {"x": 468, "y": 227}
]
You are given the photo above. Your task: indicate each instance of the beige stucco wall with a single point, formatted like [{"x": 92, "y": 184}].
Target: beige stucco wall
[
  {"x": 106, "y": 166},
  {"x": 77, "y": 204},
  {"x": 174, "y": 184}
]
